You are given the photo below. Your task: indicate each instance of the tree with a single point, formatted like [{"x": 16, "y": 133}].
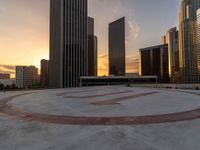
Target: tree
[{"x": 1, "y": 87}]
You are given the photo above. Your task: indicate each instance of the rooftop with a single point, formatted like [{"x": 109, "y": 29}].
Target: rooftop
[
  {"x": 153, "y": 47},
  {"x": 101, "y": 118}
]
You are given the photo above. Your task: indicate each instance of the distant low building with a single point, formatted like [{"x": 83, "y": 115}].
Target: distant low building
[
  {"x": 154, "y": 62},
  {"x": 27, "y": 76},
  {"x": 8, "y": 82},
  {"x": 116, "y": 80},
  {"x": 4, "y": 76},
  {"x": 132, "y": 74}
]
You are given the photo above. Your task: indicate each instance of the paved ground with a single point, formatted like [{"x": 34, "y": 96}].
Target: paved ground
[{"x": 100, "y": 118}]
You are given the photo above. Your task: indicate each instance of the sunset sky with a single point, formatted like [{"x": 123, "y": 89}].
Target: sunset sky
[{"x": 24, "y": 29}]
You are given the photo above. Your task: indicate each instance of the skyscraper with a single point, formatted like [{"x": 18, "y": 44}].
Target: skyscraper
[
  {"x": 154, "y": 61},
  {"x": 173, "y": 53},
  {"x": 198, "y": 44},
  {"x": 68, "y": 42},
  {"x": 44, "y": 75},
  {"x": 117, "y": 60},
  {"x": 189, "y": 52},
  {"x": 92, "y": 49}
]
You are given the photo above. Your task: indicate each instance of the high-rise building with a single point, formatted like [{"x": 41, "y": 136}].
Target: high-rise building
[
  {"x": 153, "y": 61},
  {"x": 68, "y": 42},
  {"x": 92, "y": 49},
  {"x": 26, "y": 76},
  {"x": 90, "y": 26},
  {"x": 188, "y": 51},
  {"x": 44, "y": 75},
  {"x": 173, "y": 54},
  {"x": 198, "y": 44},
  {"x": 117, "y": 60},
  {"x": 4, "y": 76}
]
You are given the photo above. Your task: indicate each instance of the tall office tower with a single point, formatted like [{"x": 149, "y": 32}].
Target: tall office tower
[
  {"x": 44, "y": 75},
  {"x": 26, "y": 76},
  {"x": 68, "y": 42},
  {"x": 117, "y": 60},
  {"x": 187, "y": 41},
  {"x": 154, "y": 61},
  {"x": 198, "y": 44},
  {"x": 92, "y": 49},
  {"x": 173, "y": 53}
]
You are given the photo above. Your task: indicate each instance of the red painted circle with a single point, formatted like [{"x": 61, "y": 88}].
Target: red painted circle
[{"x": 6, "y": 109}]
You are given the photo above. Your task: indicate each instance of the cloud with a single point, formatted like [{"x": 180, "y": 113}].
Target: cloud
[
  {"x": 7, "y": 69},
  {"x": 25, "y": 25},
  {"x": 103, "y": 56},
  {"x": 103, "y": 64},
  {"x": 103, "y": 18},
  {"x": 134, "y": 29},
  {"x": 132, "y": 64}
]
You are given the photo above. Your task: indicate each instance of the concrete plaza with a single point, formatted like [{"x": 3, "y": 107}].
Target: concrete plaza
[{"x": 100, "y": 118}]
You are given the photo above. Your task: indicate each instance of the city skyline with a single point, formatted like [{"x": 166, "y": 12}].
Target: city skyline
[
  {"x": 31, "y": 31},
  {"x": 100, "y": 74}
]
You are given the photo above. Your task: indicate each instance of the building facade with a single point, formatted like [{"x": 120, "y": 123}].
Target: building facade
[
  {"x": 117, "y": 60},
  {"x": 198, "y": 44},
  {"x": 188, "y": 50},
  {"x": 92, "y": 49},
  {"x": 68, "y": 42},
  {"x": 44, "y": 74},
  {"x": 153, "y": 61},
  {"x": 95, "y": 55},
  {"x": 27, "y": 76},
  {"x": 4, "y": 76},
  {"x": 8, "y": 82},
  {"x": 173, "y": 54}
]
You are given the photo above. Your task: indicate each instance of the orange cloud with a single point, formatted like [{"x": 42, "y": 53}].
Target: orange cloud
[
  {"x": 103, "y": 64},
  {"x": 7, "y": 69},
  {"x": 132, "y": 64}
]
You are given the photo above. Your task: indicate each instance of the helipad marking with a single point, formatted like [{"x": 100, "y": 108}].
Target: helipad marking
[
  {"x": 7, "y": 109},
  {"x": 125, "y": 98},
  {"x": 101, "y": 95}
]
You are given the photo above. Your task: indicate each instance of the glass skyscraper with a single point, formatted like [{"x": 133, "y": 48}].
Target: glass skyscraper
[
  {"x": 173, "y": 53},
  {"x": 68, "y": 42},
  {"x": 188, "y": 41},
  {"x": 117, "y": 60}
]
